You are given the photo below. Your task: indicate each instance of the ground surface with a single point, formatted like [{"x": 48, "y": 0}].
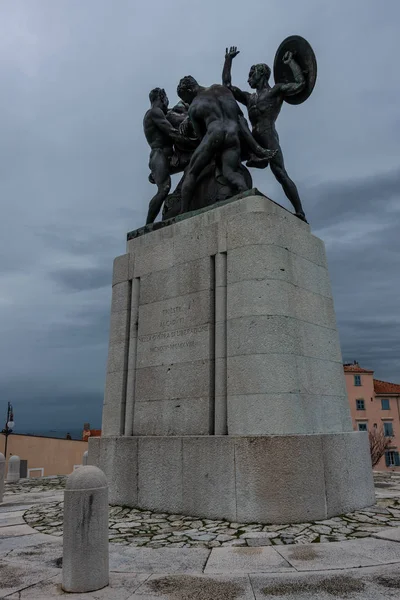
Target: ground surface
[
  {"x": 157, "y": 530},
  {"x": 359, "y": 568}
]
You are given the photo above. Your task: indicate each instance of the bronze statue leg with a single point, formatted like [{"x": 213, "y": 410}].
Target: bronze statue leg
[
  {"x": 230, "y": 159},
  {"x": 159, "y": 165},
  {"x": 256, "y": 151},
  {"x": 200, "y": 159},
  {"x": 289, "y": 187}
]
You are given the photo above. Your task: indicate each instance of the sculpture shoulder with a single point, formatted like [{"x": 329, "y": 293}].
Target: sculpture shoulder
[
  {"x": 196, "y": 107},
  {"x": 252, "y": 99},
  {"x": 152, "y": 115},
  {"x": 266, "y": 100},
  {"x": 219, "y": 90},
  {"x": 147, "y": 116}
]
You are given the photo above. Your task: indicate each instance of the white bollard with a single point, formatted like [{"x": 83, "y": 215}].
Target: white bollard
[
  {"x": 85, "y": 539},
  {"x": 85, "y": 458},
  {"x": 2, "y": 474},
  {"x": 13, "y": 469}
]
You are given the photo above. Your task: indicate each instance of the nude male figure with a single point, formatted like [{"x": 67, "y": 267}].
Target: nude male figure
[
  {"x": 216, "y": 121},
  {"x": 264, "y": 107},
  {"x": 160, "y": 135}
]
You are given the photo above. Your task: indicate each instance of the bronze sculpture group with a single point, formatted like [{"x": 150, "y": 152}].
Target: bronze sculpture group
[{"x": 206, "y": 136}]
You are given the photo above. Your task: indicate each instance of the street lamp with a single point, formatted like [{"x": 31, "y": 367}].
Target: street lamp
[{"x": 9, "y": 426}]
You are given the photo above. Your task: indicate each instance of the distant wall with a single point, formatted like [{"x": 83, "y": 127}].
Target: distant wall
[{"x": 55, "y": 456}]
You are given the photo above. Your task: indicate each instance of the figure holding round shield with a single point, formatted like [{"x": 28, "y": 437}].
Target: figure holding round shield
[{"x": 295, "y": 73}]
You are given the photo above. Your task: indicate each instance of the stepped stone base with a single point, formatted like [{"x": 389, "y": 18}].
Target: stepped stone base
[
  {"x": 264, "y": 479},
  {"x": 225, "y": 394}
]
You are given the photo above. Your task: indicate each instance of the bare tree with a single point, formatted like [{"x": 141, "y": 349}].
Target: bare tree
[{"x": 378, "y": 444}]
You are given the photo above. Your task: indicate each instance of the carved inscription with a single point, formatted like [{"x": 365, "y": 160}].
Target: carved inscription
[
  {"x": 172, "y": 311},
  {"x": 175, "y": 315},
  {"x": 171, "y": 322},
  {"x": 188, "y": 344},
  {"x": 175, "y": 318},
  {"x": 172, "y": 334}
]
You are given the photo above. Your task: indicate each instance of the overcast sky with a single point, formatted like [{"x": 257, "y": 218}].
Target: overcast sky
[{"x": 75, "y": 77}]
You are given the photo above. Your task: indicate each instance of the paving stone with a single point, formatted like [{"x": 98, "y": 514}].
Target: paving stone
[
  {"x": 17, "y": 575},
  {"x": 7, "y": 519},
  {"x": 15, "y": 530},
  {"x": 326, "y": 586},
  {"x": 224, "y": 537},
  {"x": 341, "y": 555},
  {"x": 122, "y": 586},
  {"x": 256, "y": 542},
  {"x": 235, "y": 542},
  {"x": 246, "y": 560},
  {"x": 203, "y": 537},
  {"x": 392, "y": 534},
  {"x": 321, "y": 529},
  {"x": 202, "y": 587},
  {"x": 162, "y": 560}
]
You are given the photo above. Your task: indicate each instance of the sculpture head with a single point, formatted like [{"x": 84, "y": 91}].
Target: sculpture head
[
  {"x": 257, "y": 73},
  {"x": 187, "y": 89},
  {"x": 159, "y": 96}
]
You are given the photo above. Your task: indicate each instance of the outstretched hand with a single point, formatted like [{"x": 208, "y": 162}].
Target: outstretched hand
[
  {"x": 232, "y": 52},
  {"x": 287, "y": 57}
]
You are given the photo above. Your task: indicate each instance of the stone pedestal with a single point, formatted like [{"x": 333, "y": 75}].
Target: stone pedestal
[
  {"x": 225, "y": 392},
  {"x": 85, "y": 531},
  {"x": 13, "y": 474}
]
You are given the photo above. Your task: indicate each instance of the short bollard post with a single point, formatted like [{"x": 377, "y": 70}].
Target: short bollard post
[
  {"x": 2, "y": 474},
  {"x": 85, "y": 537},
  {"x": 85, "y": 458},
  {"x": 13, "y": 469}
]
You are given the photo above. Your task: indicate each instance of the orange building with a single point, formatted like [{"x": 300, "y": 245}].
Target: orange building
[
  {"x": 87, "y": 432},
  {"x": 44, "y": 456},
  {"x": 375, "y": 404}
]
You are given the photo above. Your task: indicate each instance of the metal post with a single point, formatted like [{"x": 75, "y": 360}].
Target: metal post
[
  {"x": 5, "y": 445},
  {"x": 7, "y": 430}
]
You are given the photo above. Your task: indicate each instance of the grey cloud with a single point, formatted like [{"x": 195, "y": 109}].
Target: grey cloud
[
  {"x": 83, "y": 279},
  {"x": 336, "y": 201},
  {"x": 374, "y": 344},
  {"x": 83, "y": 329},
  {"x": 38, "y": 408}
]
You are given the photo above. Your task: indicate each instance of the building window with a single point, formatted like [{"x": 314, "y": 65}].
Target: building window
[
  {"x": 388, "y": 428},
  {"x": 392, "y": 458},
  {"x": 385, "y": 404},
  {"x": 362, "y": 427},
  {"x": 357, "y": 380},
  {"x": 360, "y": 404}
]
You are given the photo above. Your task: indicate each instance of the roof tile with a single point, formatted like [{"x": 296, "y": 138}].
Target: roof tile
[
  {"x": 355, "y": 368},
  {"x": 385, "y": 387}
]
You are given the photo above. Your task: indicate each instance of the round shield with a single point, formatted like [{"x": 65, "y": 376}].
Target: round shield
[{"x": 304, "y": 55}]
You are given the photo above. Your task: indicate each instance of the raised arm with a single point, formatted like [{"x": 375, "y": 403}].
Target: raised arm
[
  {"x": 289, "y": 89},
  {"x": 162, "y": 123},
  {"x": 240, "y": 96}
]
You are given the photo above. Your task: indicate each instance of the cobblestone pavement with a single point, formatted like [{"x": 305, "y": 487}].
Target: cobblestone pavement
[
  {"x": 134, "y": 527},
  {"x": 34, "y": 485}
]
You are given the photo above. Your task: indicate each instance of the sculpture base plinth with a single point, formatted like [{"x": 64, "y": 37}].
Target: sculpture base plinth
[
  {"x": 263, "y": 479},
  {"x": 225, "y": 394}
]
